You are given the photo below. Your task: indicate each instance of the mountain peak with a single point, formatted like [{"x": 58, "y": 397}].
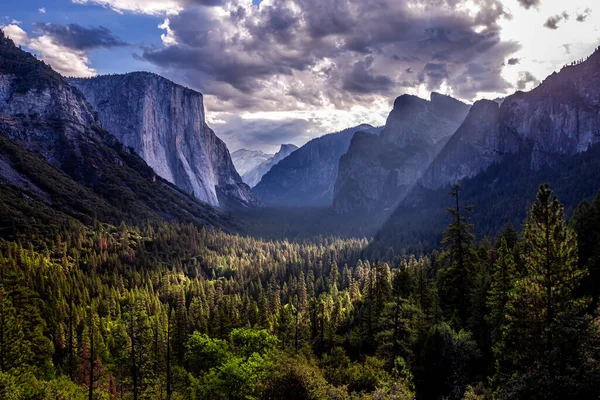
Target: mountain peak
[
  {"x": 408, "y": 100},
  {"x": 287, "y": 148}
]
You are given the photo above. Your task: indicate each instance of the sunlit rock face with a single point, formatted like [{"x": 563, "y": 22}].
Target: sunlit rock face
[
  {"x": 165, "y": 124},
  {"x": 307, "y": 176},
  {"x": 377, "y": 171},
  {"x": 559, "y": 117}
]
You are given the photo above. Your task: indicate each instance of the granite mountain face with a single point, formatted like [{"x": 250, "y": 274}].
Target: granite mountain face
[
  {"x": 165, "y": 124},
  {"x": 307, "y": 176},
  {"x": 560, "y": 117},
  {"x": 377, "y": 171},
  {"x": 253, "y": 168},
  {"x": 43, "y": 114}
]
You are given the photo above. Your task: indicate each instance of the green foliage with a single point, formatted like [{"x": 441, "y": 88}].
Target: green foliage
[
  {"x": 146, "y": 309},
  {"x": 204, "y": 353},
  {"x": 459, "y": 259}
]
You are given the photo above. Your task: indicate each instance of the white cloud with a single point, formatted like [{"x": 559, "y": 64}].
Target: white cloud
[
  {"x": 168, "y": 38},
  {"x": 42, "y": 10},
  {"x": 64, "y": 60},
  {"x": 152, "y": 7},
  {"x": 18, "y": 35}
]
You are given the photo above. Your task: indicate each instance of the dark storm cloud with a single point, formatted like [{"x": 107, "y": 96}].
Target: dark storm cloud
[
  {"x": 362, "y": 80},
  {"x": 526, "y": 77},
  {"x": 78, "y": 37},
  {"x": 581, "y": 17},
  {"x": 552, "y": 22},
  {"x": 340, "y": 52},
  {"x": 529, "y": 3},
  {"x": 513, "y": 61}
]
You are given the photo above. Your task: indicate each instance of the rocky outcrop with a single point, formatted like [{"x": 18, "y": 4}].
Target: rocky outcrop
[
  {"x": 253, "y": 176},
  {"x": 164, "y": 123},
  {"x": 307, "y": 176},
  {"x": 559, "y": 117},
  {"x": 377, "y": 172}
]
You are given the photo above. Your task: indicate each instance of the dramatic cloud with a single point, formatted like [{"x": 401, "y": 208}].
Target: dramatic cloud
[
  {"x": 152, "y": 7},
  {"x": 262, "y": 64},
  {"x": 552, "y": 22},
  {"x": 302, "y": 54},
  {"x": 529, "y": 3},
  {"x": 67, "y": 61},
  {"x": 525, "y": 77},
  {"x": 77, "y": 37}
]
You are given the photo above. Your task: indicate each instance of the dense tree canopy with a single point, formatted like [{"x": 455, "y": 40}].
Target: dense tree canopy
[{"x": 169, "y": 311}]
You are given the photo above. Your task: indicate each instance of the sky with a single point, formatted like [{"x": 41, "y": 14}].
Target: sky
[{"x": 286, "y": 71}]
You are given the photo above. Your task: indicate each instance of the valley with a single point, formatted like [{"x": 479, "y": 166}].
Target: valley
[{"x": 452, "y": 253}]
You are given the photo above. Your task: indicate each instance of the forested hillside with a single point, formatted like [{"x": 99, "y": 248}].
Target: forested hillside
[{"x": 162, "y": 310}]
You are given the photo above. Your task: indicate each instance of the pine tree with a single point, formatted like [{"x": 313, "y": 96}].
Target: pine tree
[
  {"x": 456, "y": 277},
  {"x": 503, "y": 278},
  {"x": 542, "y": 309}
]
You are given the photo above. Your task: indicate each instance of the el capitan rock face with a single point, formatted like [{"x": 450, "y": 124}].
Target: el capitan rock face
[
  {"x": 559, "y": 117},
  {"x": 307, "y": 176},
  {"x": 165, "y": 124},
  {"x": 377, "y": 171}
]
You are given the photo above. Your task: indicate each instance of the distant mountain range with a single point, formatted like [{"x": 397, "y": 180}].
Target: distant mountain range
[
  {"x": 136, "y": 146},
  {"x": 307, "y": 176},
  {"x": 253, "y": 165}
]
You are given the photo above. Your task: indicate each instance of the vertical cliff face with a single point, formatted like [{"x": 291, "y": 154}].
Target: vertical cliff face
[
  {"x": 164, "y": 123},
  {"x": 560, "y": 117},
  {"x": 307, "y": 176},
  {"x": 376, "y": 172}
]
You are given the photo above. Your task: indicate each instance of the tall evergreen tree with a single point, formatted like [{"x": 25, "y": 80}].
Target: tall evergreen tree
[
  {"x": 459, "y": 259},
  {"x": 543, "y": 308}
]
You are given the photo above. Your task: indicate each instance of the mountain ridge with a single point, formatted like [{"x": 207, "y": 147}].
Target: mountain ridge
[
  {"x": 377, "y": 171},
  {"x": 307, "y": 176}
]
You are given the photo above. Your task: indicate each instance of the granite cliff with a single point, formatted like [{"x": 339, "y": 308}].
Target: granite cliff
[
  {"x": 560, "y": 117},
  {"x": 253, "y": 167},
  {"x": 377, "y": 171},
  {"x": 165, "y": 124}
]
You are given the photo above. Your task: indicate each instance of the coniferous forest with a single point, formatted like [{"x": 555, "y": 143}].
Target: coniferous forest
[{"x": 160, "y": 310}]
